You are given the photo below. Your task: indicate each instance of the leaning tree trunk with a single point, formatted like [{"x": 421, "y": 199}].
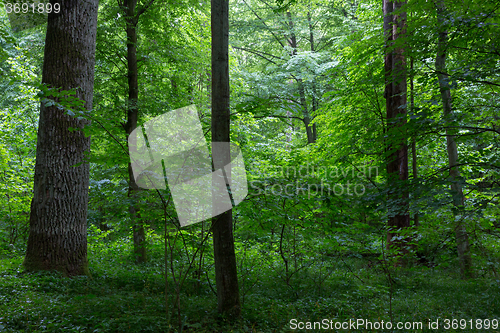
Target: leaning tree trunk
[
  {"x": 461, "y": 235},
  {"x": 226, "y": 276},
  {"x": 314, "y": 97},
  {"x": 310, "y": 129},
  {"x": 58, "y": 221},
  {"x": 395, "y": 94}
]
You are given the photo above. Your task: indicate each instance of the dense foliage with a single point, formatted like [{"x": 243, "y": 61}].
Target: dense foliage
[{"x": 308, "y": 111}]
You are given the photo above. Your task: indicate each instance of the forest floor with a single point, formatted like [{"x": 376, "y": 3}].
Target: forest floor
[{"x": 124, "y": 297}]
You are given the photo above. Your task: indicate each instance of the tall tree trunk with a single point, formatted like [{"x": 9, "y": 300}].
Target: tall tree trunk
[
  {"x": 131, "y": 19},
  {"x": 310, "y": 129},
  {"x": 461, "y": 235},
  {"x": 226, "y": 276},
  {"x": 314, "y": 97},
  {"x": 413, "y": 141},
  {"x": 395, "y": 94},
  {"x": 58, "y": 221}
]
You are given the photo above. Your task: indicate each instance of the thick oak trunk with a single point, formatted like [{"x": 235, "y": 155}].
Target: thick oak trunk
[
  {"x": 226, "y": 277},
  {"x": 58, "y": 221}
]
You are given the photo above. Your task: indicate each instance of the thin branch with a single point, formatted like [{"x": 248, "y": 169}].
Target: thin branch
[
  {"x": 257, "y": 15},
  {"x": 143, "y": 9},
  {"x": 461, "y": 79},
  {"x": 278, "y": 116},
  {"x": 257, "y": 53},
  {"x": 478, "y": 51}
]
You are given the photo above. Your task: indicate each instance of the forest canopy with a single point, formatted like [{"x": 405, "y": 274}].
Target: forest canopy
[{"x": 369, "y": 132}]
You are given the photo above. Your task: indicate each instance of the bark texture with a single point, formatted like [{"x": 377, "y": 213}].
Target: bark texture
[
  {"x": 132, "y": 18},
  {"x": 226, "y": 277},
  {"x": 461, "y": 235},
  {"x": 395, "y": 94},
  {"x": 58, "y": 220}
]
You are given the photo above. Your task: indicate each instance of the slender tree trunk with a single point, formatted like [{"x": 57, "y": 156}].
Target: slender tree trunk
[
  {"x": 314, "y": 97},
  {"x": 388, "y": 9},
  {"x": 461, "y": 235},
  {"x": 416, "y": 222},
  {"x": 395, "y": 94},
  {"x": 226, "y": 276},
  {"x": 139, "y": 235},
  {"x": 58, "y": 221},
  {"x": 310, "y": 129}
]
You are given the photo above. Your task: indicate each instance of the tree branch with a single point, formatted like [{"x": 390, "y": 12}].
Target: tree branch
[
  {"x": 257, "y": 15},
  {"x": 257, "y": 53},
  {"x": 143, "y": 9}
]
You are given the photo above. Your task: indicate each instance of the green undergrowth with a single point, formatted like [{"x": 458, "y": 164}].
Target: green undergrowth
[{"x": 121, "y": 296}]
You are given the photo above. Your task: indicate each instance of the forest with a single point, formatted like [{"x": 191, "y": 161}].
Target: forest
[{"x": 249, "y": 166}]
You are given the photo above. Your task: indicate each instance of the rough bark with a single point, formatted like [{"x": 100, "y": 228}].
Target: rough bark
[
  {"x": 132, "y": 18},
  {"x": 461, "y": 235},
  {"x": 226, "y": 277},
  {"x": 58, "y": 220},
  {"x": 395, "y": 94}
]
